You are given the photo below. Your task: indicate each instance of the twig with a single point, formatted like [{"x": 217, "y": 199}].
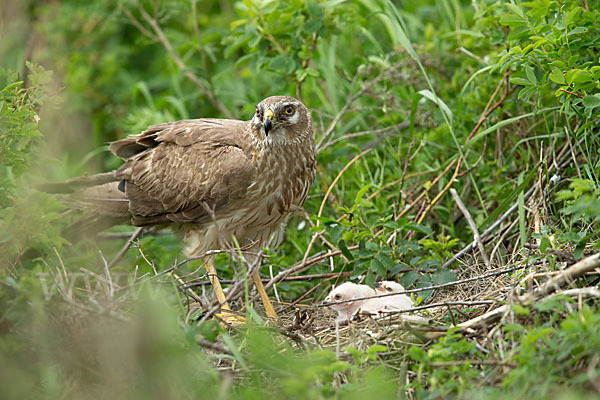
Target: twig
[
  {"x": 162, "y": 38},
  {"x": 212, "y": 346},
  {"x": 424, "y": 192},
  {"x": 349, "y": 102},
  {"x": 287, "y": 279},
  {"x": 123, "y": 250},
  {"x": 488, "y": 231},
  {"x": 473, "y": 226},
  {"x": 444, "y": 304},
  {"x": 571, "y": 93},
  {"x": 441, "y": 193},
  {"x": 433, "y": 287},
  {"x": 486, "y": 112},
  {"x": 337, "y": 178},
  {"x": 309, "y": 291},
  {"x": 401, "y": 126},
  {"x": 565, "y": 277},
  {"x": 126, "y": 235}
]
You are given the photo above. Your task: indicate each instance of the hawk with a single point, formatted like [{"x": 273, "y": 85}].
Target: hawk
[
  {"x": 212, "y": 180},
  {"x": 345, "y": 292},
  {"x": 368, "y": 304}
]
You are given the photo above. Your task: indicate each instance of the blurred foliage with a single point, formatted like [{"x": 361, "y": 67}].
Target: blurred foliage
[{"x": 409, "y": 80}]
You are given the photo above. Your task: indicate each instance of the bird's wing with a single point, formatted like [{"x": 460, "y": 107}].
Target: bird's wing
[
  {"x": 182, "y": 133},
  {"x": 184, "y": 171}
]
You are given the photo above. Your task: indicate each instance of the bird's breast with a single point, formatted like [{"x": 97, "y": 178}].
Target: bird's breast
[{"x": 281, "y": 183}]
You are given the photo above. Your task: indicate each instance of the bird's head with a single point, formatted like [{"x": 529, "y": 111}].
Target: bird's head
[
  {"x": 388, "y": 287},
  {"x": 344, "y": 292},
  {"x": 281, "y": 120}
]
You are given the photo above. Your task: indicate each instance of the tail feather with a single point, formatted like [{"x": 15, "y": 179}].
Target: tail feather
[
  {"x": 78, "y": 183},
  {"x": 99, "y": 199},
  {"x": 105, "y": 200}
]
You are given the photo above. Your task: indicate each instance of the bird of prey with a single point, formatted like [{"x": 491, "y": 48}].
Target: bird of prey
[
  {"x": 380, "y": 305},
  {"x": 215, "y": 181},
  {"x": 348, "y": 291}
]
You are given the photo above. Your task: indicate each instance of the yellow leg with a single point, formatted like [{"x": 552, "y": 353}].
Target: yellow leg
[
  {"x": 263, "y": 296},
  {"x": 225, "y": 314}
]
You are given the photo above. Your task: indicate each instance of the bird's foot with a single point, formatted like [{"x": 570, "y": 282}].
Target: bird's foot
[{"x": 230, "y": 318}]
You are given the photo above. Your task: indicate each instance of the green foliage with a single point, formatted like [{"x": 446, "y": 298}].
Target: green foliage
[
  {"x": 19, "y": 123},
  {"x": 28, "y": 219},
  {"x": 403, "y": 85},
  {"x": 553, "y": 354}
]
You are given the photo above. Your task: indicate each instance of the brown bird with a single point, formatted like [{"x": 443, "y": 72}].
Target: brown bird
[{"x": 213, "y": 180}]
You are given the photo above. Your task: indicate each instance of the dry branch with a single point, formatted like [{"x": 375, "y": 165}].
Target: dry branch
[{"x": 566, "y": 277}]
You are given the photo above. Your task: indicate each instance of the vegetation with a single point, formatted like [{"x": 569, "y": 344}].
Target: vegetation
[{"x": 499, "y": 101}]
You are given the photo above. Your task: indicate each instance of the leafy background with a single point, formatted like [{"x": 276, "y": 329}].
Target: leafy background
[{"x": 401, "y": 94}]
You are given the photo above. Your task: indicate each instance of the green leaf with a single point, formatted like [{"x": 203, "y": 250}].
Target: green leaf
[
  {"x": 440, "y": 103},
  {"x": 314, "y": 9},
  {"x": 385, "y": 260},
  {"x": 361, "y": 193},
  {"x": 312, "y": 26},
  {"x": 409, "y": 278},
  {"x": 344, "y": 250},
  {"x": 557, "y": 76},
  {"x": 530, "y": 74},
  {"x": 591, "y": 101},
  {"x": 377, "y": 267},
  {"x": 506, "y": 122},
  {"x": 283, "y": 62},
  {"x": 10, "y": 87},
  {"x": 516, "y": 10},
  {"x": 519, "y": 81},
  {"x": 443, "y": 276}
]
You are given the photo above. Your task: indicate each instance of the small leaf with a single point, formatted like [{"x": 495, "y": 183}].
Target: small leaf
[
  {"x": 591, "y": 101},
  {"x": 314, "y": 9},
  {"x": 344, "y": 250},
  {"x": 557, "y": 77},
  {"x": 435, "y": 99},
  {"x": 544, "y": 244},
  {"x": 443, "y": 276},
  {"x": 530, "y": 74},
  {"x": 377, "y": 267},
  {"x": 519, "y": 81},
  {"x": 409, "y": 278}
]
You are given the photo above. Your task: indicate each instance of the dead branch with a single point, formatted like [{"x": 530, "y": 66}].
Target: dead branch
[{"x": 566, "y": 277}]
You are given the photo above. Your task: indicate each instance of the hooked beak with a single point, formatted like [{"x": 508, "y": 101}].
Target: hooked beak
[
  {"x": 268, "y": 122},
  {"x": 377, "y": 285}
]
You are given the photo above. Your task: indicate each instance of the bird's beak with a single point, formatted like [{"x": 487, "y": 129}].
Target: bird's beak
[
  {"x": 268, "y": 122},
  {"x": 377, "y": 285},
  {"x": 325, "y": 303}
]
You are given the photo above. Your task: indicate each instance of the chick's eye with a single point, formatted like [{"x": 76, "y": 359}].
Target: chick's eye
[
  {"x": 289, "y": 110},
  {"x": 388, "y": 289},
  {"x": 337, "y": 297}
]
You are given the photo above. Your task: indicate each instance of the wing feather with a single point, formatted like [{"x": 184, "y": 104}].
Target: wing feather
[{"x": 183, "y": 171}]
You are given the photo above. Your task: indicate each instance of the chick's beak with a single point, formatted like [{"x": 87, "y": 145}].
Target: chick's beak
[{"x": 268, "y": 122}]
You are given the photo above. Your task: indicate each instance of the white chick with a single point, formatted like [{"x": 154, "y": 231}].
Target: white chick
[
  {"x": 348, "y": 291},
  {"x": 389, "y": 303}
]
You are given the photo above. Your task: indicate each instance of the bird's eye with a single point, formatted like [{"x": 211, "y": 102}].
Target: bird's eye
[
  {"x": 389, "y": 289},
  {"x": 337, "y": 297},
  {"x": 289, "y": 110}
]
